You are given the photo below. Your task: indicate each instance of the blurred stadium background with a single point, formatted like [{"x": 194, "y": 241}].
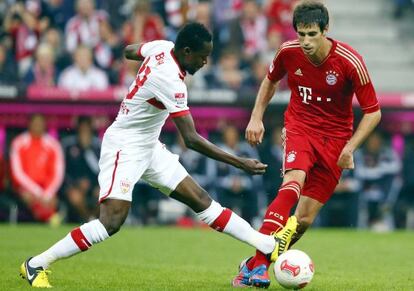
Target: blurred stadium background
[{"x": 61, "y": 64}]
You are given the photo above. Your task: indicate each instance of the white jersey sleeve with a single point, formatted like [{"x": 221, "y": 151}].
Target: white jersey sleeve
[
  {"x": 154, "y": 47},
  {"x": 165, "y": 81},
  {"x": 157, "y": 92}
]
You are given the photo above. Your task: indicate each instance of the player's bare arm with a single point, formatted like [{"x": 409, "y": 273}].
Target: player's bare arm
[
  {"x": 255, "y": 129},
  {"x": 131, "y": 52},
  {"x": 368, "y": 122},
  {"x": 194, "y": 141}
]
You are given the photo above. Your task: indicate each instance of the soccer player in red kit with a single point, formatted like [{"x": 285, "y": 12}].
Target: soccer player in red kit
[{"x": 323, "y": 76}]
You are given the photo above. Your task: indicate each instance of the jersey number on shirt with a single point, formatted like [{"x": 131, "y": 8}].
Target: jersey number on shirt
[{"x": 140, "y": 81}]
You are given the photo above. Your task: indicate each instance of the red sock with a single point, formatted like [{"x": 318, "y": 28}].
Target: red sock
[
  {"x": 221, "y": 221},
  {"x": 276, "y": 216},
  {"x": 80, "y": 239}
]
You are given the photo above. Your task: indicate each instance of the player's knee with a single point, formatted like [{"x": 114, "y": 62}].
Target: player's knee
[{"x": 202, "y": 202}]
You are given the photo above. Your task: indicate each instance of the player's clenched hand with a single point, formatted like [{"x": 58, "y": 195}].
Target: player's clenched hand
[
  {"x": 254, "y": 132},
  {"x": 252, "y": 166},
  {"x": 346, "y": 158}
]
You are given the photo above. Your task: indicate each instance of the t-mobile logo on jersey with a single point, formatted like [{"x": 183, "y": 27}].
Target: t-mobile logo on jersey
[{"x": 306, "y": 94}]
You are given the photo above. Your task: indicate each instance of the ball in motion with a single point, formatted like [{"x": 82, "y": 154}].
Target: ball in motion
[{"x": 294, "y": 269}]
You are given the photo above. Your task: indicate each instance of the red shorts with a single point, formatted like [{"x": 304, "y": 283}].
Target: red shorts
[{"x": 317, "y": 155}]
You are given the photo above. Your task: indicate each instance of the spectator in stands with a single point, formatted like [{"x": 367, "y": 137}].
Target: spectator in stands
[
  {"x": 274, "y": 41},
  {"x": 53, "y": 38},
  {"x": 5, "y": 201},
  {"x": 378, "y": 168},
  {"x": 143, "y": 26},
  {"x": 407, "y": 191},
  {"x": 37, "y": 168},
  {"x": 83, "y": 28},
  {"x": 254, "y": 76},
  {"x": 127, "y": 73},
  {"x": 342, "y": 209},
  {"x": 83, "y": 75},
  {"x": 43, "y": 73},
  {"x": 236, "y": 189},
  {"x": 81, "y": 176},
  {"x": 23, "y": 27},
  {"x": 279, "y": 14},
  {"x": 109, "y": 48},
  {"x": 248, "y": 32},
  {"x": 178, "y": 12},
  {"x": 203, "y": 13},
  {"x": 200, "y": 167},
  {"x": 272, "y": 155},
  {"x": 57, "y": 12},
  {"x": 227, "y": 73},
  {"x": 223, "y": 13},
  {"x": 8, "y": 71}
]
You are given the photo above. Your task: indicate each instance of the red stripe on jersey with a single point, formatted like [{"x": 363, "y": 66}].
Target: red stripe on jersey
[
  {"x": 113, "y": 178},
  {"x": 221, "y": 221},
  {"x": 154, "y": 102},
  {"x": 179, "y": 113},
  {"x": 289, "y": 43},
  {"x": 80, "y": 240},
  {"x": 139, "y": 54},
  {"x": 286, "y": 47},
  {"x": 372, "y": 108},
  {"x": 138, "y": 82},
  {"x": 357, "y": 60},
  {"x": 362, "y": 73}
]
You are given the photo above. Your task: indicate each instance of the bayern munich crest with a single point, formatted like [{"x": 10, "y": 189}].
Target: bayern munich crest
[{"x": 331, "y": 77}]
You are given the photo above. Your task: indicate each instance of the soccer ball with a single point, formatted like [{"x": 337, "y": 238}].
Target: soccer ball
[{"x": 293, "y": 269}]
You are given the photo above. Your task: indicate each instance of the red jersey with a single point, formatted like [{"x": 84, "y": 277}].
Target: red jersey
[{"x": 321, "y": 95}]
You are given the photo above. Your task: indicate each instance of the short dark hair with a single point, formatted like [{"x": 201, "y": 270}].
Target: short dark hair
[
  {"x": 311, "y": 12},
  {"x": 193, "y": 35}
]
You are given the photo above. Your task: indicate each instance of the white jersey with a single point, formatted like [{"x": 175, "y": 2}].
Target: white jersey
[{"x": 157, "y": 92}]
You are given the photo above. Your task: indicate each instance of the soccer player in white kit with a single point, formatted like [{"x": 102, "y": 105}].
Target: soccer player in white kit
[{"x": 131, "y": 151}]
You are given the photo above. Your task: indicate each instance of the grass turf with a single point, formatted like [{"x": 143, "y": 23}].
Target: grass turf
[{"x": 200, "y": 259}]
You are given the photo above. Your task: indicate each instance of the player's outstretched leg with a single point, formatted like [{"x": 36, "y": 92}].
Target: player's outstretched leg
[
  {"x": 112, "y": 215},
  {"x": 219, "y": 218},
  {"x": 275, "y": 219},
  {"x": 258, "y": 276},
  {"x": 37, "y": 277}
]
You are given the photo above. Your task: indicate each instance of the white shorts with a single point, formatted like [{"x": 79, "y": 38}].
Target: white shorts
[{"x": 120, "y": 170}]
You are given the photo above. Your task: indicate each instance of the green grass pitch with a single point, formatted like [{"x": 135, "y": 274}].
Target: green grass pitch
[{"x": 201, "y": 259}]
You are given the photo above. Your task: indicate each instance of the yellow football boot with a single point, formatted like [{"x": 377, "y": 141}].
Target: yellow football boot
[
  {"x": 37, "y": 277},
  {"x": 284, "y": 237}
]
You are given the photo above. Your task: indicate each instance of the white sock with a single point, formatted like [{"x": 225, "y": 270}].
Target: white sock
[
  {"x": 79, "y": 239},
  {"x": 224, "y": 220}
]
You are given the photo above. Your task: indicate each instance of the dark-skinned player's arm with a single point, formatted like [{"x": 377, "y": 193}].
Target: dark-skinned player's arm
[
  {"x": 132, "y": 52},
  {"x": 255, "y": 129},
  {"x": 196, "y": 142},
  {"x": 367, "y": 124}
]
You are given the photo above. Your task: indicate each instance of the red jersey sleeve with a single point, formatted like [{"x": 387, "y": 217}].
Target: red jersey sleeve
[
  {"x": 362, "y": 86},
  {"x": 277, "y": 70}
]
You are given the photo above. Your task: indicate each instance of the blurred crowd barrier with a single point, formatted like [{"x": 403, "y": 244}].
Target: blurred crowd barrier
[{"x": 62, "y": 138}]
